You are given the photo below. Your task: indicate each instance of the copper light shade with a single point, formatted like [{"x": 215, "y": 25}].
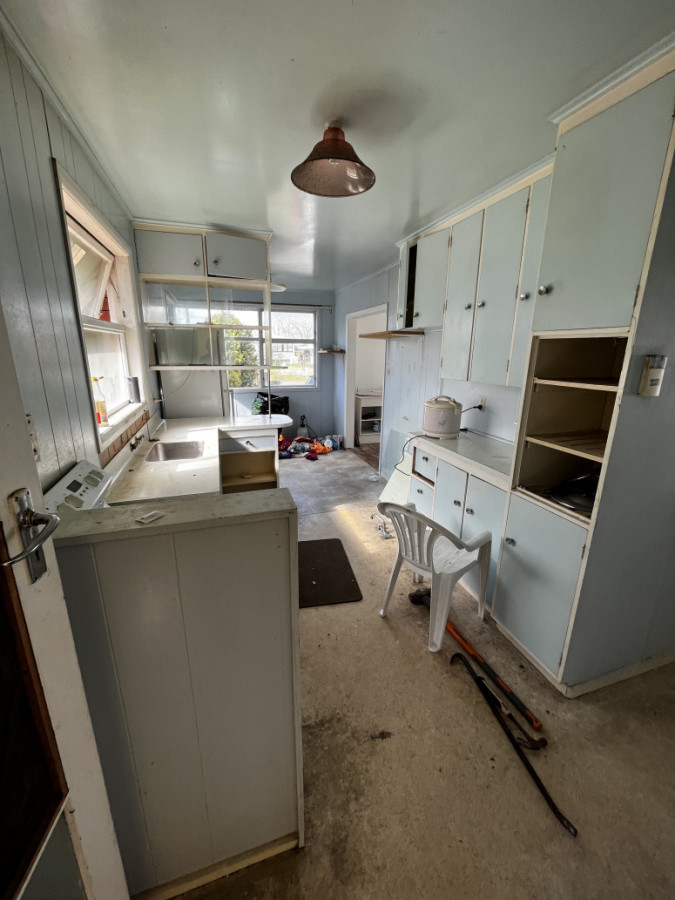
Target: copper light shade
[{"x": 332, "y": 169}]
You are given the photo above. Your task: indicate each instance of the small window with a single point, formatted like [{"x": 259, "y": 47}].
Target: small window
[{"x": 106, "y": 302}]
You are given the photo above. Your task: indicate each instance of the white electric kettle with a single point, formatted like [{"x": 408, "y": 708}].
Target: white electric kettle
[{"x": 442, "y": 417}]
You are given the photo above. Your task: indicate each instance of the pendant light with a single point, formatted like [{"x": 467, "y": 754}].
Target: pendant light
[{"x": 332, "y": 169}]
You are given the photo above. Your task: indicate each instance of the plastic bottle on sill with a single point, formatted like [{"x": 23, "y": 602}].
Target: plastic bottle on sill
[{"x": 99, "y": 402}]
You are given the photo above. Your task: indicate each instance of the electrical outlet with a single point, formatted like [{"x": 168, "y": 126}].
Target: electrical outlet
[{"x": 482, "y": 402}]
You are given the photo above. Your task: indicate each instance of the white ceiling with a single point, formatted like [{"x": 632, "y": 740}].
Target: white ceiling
[{"x": 199, "y": 110}]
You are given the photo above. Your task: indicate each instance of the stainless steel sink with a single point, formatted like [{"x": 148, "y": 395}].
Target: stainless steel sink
[{"x": 172, "y": 450}]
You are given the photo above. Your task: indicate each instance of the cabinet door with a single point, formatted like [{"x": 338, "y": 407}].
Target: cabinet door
[
  {"x": 231, "y": 256},
  {"x": 527, "y": 293},
  {"x": 497, "y": 288},
  {"x": 459, "y": 310},
  {"x": 484, "y": 511},
  {"x": 605, "y": 185},
  {"x": 422, "y": 495},
  {"x": 449, "y": 499},
  {"x": 538, "y": 578},
  {"x": 430, "y": 279},
  {"x": 168, "y": 253}
]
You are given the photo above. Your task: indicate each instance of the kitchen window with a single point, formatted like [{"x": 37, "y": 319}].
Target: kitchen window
[{"x": 106, "y": 304}]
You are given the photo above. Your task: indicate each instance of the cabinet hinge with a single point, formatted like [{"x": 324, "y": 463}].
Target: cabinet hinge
[
  {"x": 635, "y": 298},
  {"x": 583, "y": 551},
  {"x": 527, "y": 205}
]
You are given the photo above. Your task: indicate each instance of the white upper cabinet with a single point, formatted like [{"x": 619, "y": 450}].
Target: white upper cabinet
[
  {"x": 462, "y": 282},
  {"x": 605, "y": 188},
  {"x": 534, "y": 239},
  {"x": 497, "y": 288},
  {"x": 169, "y": 253},
  {"x": 431, "y": 279},
  {"x": 230, "y": 256}
]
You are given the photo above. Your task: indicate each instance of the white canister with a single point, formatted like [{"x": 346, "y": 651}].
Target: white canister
[{"x": 442, "y": 417}]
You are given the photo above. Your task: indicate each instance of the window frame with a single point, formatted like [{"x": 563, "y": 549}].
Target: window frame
[{"x": 76, "y": 207}]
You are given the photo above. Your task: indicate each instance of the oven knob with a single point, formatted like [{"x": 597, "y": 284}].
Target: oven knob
[
  {"x": 91, "y": 479},
  {"x": 73, "y": 500}
]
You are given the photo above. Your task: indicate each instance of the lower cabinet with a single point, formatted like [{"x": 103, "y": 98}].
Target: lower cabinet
[
  {"x": 248, "y": 462},
  {"x": 538, "y": 578},
  {"x": 422, "y": 495},
  {"x": 468, "y": 506}
]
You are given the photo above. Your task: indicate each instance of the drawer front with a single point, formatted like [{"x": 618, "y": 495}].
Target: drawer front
[
  {"x": 234, "y": 444},
  {"x": 422, "y": 495},
  {"x": 424, "y": 465}
]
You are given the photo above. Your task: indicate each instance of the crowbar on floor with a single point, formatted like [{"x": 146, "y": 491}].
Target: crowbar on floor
[
  {"x": 495, "y": 703},
  {"x": 422, "y": 596}
]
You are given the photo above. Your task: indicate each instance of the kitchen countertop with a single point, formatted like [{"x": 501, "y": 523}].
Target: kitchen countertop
[
  {"x": 478, "y": 454},
  {"x": 141, "y": 480}
]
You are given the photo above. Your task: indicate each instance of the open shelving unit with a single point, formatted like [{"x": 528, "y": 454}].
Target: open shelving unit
[
  {"x": 368, "y": 409},
  {"x": 569, "y": 408}
]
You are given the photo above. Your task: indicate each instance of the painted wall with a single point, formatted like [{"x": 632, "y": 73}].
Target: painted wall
[
  {"x": 370, "y": 354},
  {"x": 380, "y": 288},
  {"x": 35, "y": 286}
]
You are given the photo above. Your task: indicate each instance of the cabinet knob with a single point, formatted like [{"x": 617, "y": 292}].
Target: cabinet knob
[
  {"x": 399, "y": 316},
  {"x": 457, "y": 502},
  {"x": 524, "y": 296},
  {"x": 197, "y": 263},
  {"x": 481, "y": 304},
  {"x": 510, "y": 541},
  {"x": 216, "y": 262},
  {"x": 544, "y": 289},
  {"x": 468, "y": 511},
  {"x": 420, "y": 491},
  {"x": 467, "y": 306},
  {"x": 416, "y": 315},
  {"x": 425, "y": 458}
]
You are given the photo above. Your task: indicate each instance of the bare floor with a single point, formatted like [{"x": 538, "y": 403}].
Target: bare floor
[{"x": 442, "y": 807}]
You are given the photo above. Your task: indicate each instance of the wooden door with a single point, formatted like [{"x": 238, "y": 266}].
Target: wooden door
[
  {"x": 538, "y": 578},
  {"x": 527, "y": 292},
  {"x": 459, "y": 311},
  {"x": 484, "y": 511},
  {"x": 449, "y": 497},
  {"x": 605, "y": 185},
  {"x": 497, "y": 288},
  {"x": 430, "y": 279}
]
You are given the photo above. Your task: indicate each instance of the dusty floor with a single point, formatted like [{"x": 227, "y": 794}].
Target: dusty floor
[{"x": 443, "y": 808}]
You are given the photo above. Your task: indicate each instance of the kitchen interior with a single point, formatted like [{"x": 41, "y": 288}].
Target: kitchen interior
[{"x": 478, "y": 329}]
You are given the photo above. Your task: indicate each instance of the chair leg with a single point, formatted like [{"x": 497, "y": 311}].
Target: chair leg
[
  {"x": 392, "y": 581},
  {"x": 442, "y": 587},
  {"x": 483, "y": 571}
]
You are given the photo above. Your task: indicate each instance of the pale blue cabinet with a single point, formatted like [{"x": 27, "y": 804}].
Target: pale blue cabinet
[
  {"x": 450, "y": 495},
  {"x": 169, "y": 253},
  {"x": 527, "y": 293},
  {"x": 231, "y": 256},
  {"x": 537, "y": 579},
  {"x": 468, "y": 506},
  {"x": 497, "y": 288},
  {"x": 430, "y": 279},
  {"x": 605, "y": 188},
  {"x": 484, "y": 510},
  {"x": 462, "y": 281},
  {"x": 422, "y": 495}
]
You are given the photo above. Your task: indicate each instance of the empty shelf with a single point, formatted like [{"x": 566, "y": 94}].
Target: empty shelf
[{"x": 589, "y": 445}]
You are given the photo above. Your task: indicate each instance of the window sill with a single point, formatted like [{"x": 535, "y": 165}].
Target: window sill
[{"x": 119, "y": 422}]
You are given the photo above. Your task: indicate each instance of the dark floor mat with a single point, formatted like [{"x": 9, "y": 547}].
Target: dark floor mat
[{"x": 325, "y": 574}]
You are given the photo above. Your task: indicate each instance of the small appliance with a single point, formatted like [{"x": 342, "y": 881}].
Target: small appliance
[{"x": 442, "y": 417}]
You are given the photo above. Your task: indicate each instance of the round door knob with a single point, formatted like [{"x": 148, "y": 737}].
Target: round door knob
[
  {"x": 510, "y": 541},
  {"x": 467, "y": 306},
  {"x": 468, "y": 511},
  {"x": 481, "y": 304},
  {"x": 524, "y": 296},
  {"x": 197, "y": 263},
  {"x": 457, "y": 502},
  {"x": 544, "y": 289},
  {"x": 425, "y": 458}
]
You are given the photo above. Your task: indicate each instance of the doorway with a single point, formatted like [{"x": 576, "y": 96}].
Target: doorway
[{"x": 364, "y": 376}]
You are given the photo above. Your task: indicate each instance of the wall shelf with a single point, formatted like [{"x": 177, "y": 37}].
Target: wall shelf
[
  {"x": 383, "y": 335},
  {"x": 589, "y": 445},
  {"x": 586, "y": 384}
]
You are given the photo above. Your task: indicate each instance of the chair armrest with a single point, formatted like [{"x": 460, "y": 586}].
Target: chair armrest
[{"x": 480, "y": 541}]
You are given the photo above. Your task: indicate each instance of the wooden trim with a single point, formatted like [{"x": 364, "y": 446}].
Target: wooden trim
[
  {"x": 383, "y": 335},
  {"x": 626, "y": 81},
  {"x": 148, "y": 225},
  {"x": 219, "y": 870}
]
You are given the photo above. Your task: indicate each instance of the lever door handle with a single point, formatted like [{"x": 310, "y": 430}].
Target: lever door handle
[{"x": 29, "y": 520}]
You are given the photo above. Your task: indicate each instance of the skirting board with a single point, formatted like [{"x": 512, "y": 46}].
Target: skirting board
[
  {"x": 219, "y": 870},
  {"x": 595, "y": 684}
]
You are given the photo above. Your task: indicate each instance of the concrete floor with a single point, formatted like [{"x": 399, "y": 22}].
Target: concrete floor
[{"x": 443, "y": 808}]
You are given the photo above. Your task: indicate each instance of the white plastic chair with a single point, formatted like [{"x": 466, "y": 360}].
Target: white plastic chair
[{"x": 430, "y": 550}]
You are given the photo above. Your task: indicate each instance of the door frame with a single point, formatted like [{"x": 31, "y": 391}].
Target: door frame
[
  {"x": 87, "y": 812},
  {"x": 351, "y": 339}
]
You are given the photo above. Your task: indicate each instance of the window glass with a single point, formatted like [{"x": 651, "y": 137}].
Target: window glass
[{"x": 106, "y": 352}]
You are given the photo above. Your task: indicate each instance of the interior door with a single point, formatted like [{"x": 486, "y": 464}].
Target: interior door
[{"x": 48, "y": 632}]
